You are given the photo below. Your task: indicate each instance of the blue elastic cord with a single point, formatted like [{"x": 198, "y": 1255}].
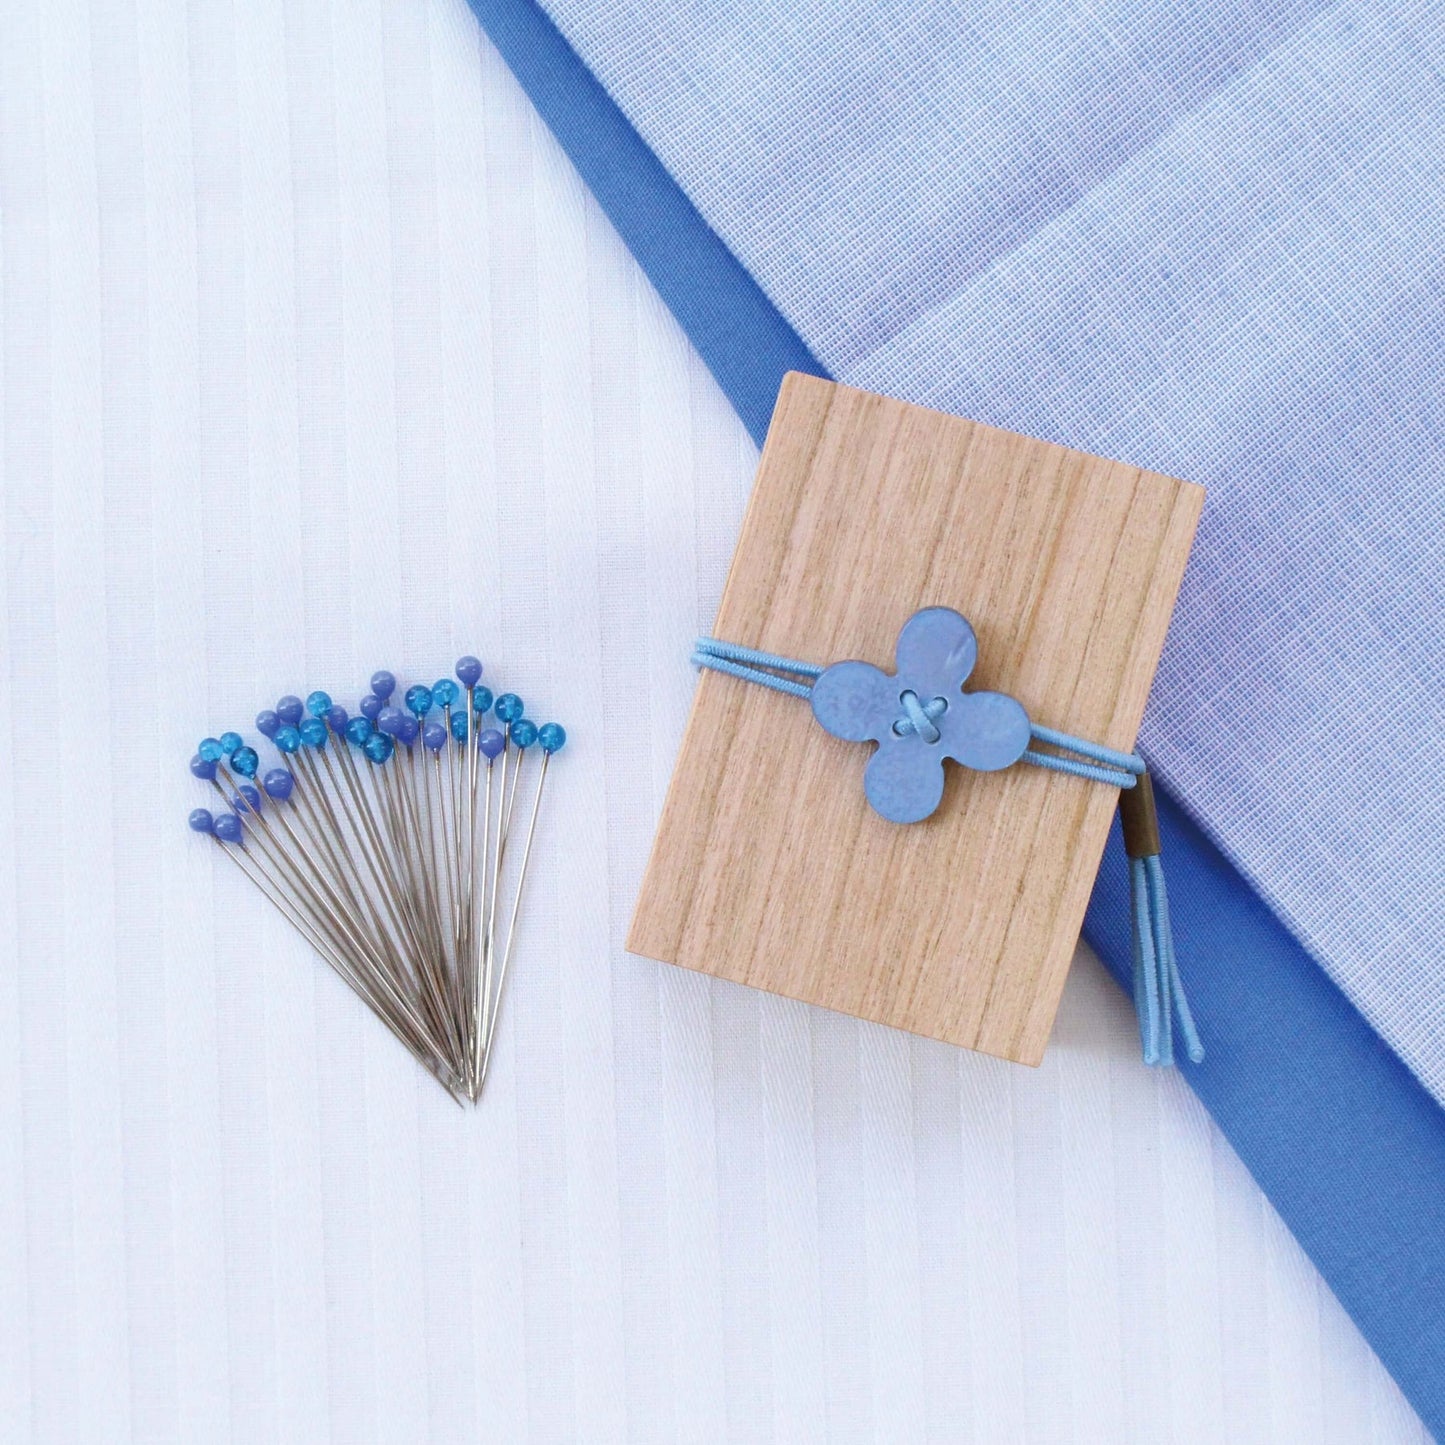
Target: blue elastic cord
[
  {"x": 747, "y": 663},
  {"x": 1112, "y": 776},
  {"x": 920, "y": 717},
  {"x": 1105, "y": 766},
  {"x": 1102, "y": 765},
  {"x": 1158, "y": 993}
]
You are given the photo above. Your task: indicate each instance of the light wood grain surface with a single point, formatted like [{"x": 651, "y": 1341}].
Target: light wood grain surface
[{"x": 769, "y": 868}]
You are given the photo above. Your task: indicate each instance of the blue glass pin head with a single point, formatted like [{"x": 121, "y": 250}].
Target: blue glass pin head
[
  {"x": 287, "y": 740},
  {"x": 509, "y": 708},
  {"x": 313, "y": 732},
  {"x": 552, "y": 736},
  {"x": 210, "y": 750},
  {"x": 379, "y": 747},
  {"x": 482, "y": 699},
  {"x": 459, "y": 725},
  {"x": 357, "y": 732},
  {"x": 444, "y": 692},
  {"x": 278, "y": 783},
  {"x": 524, "y": 732},
  {"x": 244, "y": 762},
  {"x": 246, "y": 797},
  {"x": 418, "y": 700},
  {"x": 230, "y": 742},
  {"x": 318, "y": 703}
]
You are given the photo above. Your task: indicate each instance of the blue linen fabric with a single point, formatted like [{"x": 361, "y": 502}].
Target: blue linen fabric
[{"x": 1203, "y": 239}]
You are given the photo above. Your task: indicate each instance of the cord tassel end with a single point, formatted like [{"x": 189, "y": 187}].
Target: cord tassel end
[{"x": 1158, "y": 991}]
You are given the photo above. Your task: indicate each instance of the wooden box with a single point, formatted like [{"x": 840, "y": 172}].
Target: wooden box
[{"x": 769, "y": 868}]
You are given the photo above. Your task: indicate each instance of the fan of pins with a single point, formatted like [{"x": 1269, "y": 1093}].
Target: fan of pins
[{"x": 388, "y": 851}]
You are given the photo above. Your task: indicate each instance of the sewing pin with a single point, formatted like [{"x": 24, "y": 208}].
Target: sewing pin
[
  {"x": 551, "y": 737},
  {"x": 490, "y": 744}
]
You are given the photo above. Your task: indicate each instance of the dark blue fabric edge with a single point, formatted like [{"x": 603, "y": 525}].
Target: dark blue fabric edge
[{"x": 1343, "y": 1139}]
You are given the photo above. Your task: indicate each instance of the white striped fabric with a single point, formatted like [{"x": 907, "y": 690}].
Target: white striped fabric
[{"x": 317, "y": 357}]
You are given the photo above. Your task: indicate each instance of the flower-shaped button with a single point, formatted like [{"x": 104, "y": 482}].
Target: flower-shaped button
[{"x": 920, "y": 716}]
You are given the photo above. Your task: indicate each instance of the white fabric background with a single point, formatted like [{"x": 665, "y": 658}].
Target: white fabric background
[{"x": 317, "y": 357}]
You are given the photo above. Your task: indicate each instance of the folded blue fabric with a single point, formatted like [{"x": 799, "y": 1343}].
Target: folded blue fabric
[
  {"x": 1204, "y": 239},
  {"x": 1345, "y": 1141}
]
